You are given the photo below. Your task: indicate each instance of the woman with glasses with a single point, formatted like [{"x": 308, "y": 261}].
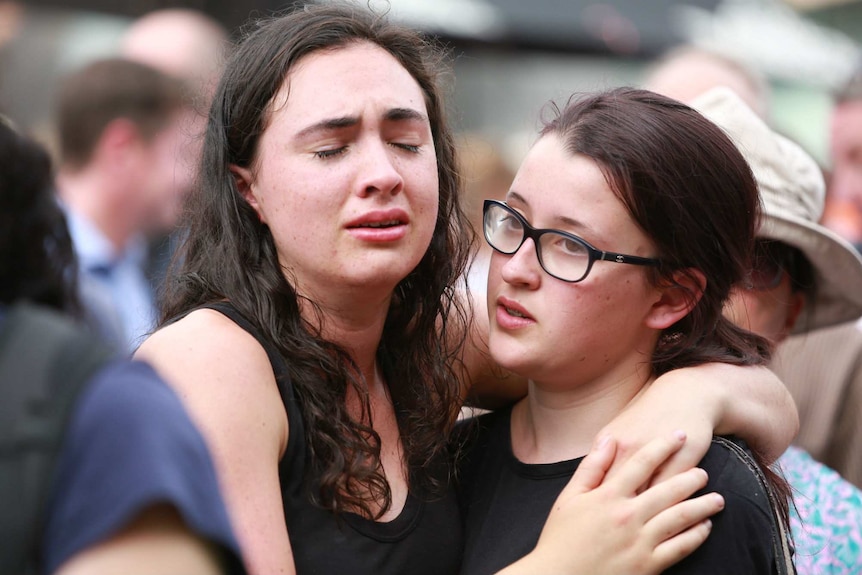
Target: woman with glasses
[
  {"x": 314, "y": 327},
  {"x": 615, "y": 251}
]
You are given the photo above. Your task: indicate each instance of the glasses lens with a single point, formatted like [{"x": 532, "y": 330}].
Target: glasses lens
[
  {"x": 564, "y": 256},
  {"x": 503, "y": 229}
]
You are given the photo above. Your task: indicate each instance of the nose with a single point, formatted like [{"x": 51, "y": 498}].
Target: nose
[
  {"x": 522, "y": 267},
  {"x": 379, "y": 171}
]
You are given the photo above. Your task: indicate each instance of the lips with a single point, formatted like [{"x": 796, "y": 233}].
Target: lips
[
  {"x": 511, "y": 315},
  {"x": 380, "y": 226},
  {"x": 386, "y": 224},
  {"x": 380, "y": 219}
]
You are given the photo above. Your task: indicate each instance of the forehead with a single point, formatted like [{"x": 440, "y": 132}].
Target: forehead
[
  {"x": 552, "y": 175},
  {"x": 346, "y": 80},
  {"x": 557, "y": 188}
]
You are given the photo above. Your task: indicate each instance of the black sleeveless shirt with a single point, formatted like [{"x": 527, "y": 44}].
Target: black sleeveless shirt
[{"x": 425, "y": 538}]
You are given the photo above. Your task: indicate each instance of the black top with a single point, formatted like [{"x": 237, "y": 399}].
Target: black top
[
  {"x": 505, "y": 504},
  {"x": 425, "y": 538}
]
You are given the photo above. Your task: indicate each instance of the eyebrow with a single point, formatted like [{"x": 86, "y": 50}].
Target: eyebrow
[
  {"x": 562, "y": 219},
  {"x": 328, "y": 124},
  {"x": 404, "y": 115},
  {"x": 391, "y": 115}
]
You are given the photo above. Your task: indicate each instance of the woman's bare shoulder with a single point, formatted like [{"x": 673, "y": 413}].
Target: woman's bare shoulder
[
  {"x": 218, "y": 369},
  {"x": 206, "y": 340}
]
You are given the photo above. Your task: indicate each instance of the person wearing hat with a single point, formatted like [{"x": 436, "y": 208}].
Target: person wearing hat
[
  {"x": 830, "y": 426},
  {"x": 803, "y": 277}
]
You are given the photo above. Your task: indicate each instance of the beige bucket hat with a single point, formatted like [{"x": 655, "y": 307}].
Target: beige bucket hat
[{"x": 792, "y": 193}]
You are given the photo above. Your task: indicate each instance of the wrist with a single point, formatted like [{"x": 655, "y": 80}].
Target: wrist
[{"x": 696, "y": 386}]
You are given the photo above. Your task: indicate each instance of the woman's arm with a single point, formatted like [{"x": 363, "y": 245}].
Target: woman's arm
[
  {"x": 156, "y": 542},
  {"x": 617, "y": 526},
  {"x": 715, "y": 398},
  {"x": 226, "y": 382}
]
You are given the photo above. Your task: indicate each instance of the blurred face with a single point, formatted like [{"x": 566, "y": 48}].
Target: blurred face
[
  {"x": 846, "y": 140},
  {"x": 558, "y": 333},
  {"x": 767, "y": 304},
  {"x": 346, "y": 172},
  {"x": 847, "y": 150},
  {"x": 169, "y": 172}
]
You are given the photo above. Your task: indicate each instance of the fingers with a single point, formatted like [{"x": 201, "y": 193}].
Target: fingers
[
  {"x": 637, "y": 471},
  {"x": 681, "y": 516},
  {"x": 591, "y": 472},
  {"x": 670, "y": 492},
  {"x": 681, "y": 546},
  {"x": 696, "y": 445},
  {"x": 682, "y": 528}
]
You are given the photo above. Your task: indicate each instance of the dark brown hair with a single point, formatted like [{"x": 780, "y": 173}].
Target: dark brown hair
[
  {"x": 37, "y": 262},
  {"x": 229, "y": 254}
]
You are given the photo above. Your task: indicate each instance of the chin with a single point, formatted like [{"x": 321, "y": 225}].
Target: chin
[{"x": 516, "y": 361}]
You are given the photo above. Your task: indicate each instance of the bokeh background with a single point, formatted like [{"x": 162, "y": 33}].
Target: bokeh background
[{"x": 509, "y": 56}]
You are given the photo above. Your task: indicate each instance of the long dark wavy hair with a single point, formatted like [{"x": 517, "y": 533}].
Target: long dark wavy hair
[
  {"x": 228, "y": 254},
  {"x": 37, "y": 261},
  {"x": 687, "y": 186}
]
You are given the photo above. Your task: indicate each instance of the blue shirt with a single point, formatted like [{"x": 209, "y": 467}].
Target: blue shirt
[
  {"x": 116, "y": 294},
  {"x": 130, "y": 444}
]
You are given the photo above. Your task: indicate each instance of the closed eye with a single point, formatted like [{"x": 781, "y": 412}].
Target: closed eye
[
  {"x": 324, "y": 154},
  {"x": 408, "y": 147}
]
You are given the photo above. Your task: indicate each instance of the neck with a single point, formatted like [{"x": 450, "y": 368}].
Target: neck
[
  {"x": 557, "y": 424},
  {"x": 355, "y": 324},
  {"x": 89, "y": 195}
]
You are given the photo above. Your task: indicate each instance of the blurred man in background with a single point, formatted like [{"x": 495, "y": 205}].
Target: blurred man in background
[
  {"x": 844, "y": 198},
  {"x": 121, "y": 130},
  {"x": 188, "y": 45}
]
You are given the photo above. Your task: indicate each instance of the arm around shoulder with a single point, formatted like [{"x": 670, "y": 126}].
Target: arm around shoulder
[
  {"x": 224, "y": 377},
  {"x": 156, "y": 542},
  {"x": 706, "y": 400}
]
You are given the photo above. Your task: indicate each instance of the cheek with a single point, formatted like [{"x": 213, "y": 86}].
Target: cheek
[
  {"x": 423, "y": 194},
  {"x": 495, "y": 274}
]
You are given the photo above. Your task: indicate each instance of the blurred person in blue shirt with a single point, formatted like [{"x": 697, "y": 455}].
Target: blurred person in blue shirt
[{"x": 122, "y": 128}]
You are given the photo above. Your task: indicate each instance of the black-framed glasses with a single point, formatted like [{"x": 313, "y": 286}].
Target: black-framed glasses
[
  {"x": 772, "y": 259},
  {"x": 562, "y": 255}
]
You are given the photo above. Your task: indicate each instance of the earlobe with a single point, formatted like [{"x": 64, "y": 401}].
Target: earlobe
[
  {"x": 677, "y": 300},
  {"x": 244, "y": 185}
]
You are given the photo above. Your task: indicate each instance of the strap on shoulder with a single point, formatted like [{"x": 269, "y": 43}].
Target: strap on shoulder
[{"x": 782, "y": 546}]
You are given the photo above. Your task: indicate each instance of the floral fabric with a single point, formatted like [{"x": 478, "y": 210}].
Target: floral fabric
[{"x": 827, "y": 520}]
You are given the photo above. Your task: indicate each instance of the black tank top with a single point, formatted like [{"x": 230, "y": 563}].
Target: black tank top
[{"x": 425, "y": 538}]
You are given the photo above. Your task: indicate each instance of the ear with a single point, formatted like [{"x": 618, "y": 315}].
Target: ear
[
  {"x": 116, "y": 140},
  {"x": 244, "y": 181},
  {"x": 794, "y": 309},
  {"x": 678, "y": 299}
]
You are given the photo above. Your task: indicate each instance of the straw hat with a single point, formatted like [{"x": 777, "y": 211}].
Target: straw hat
[{"x": 792, "y": 193}]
